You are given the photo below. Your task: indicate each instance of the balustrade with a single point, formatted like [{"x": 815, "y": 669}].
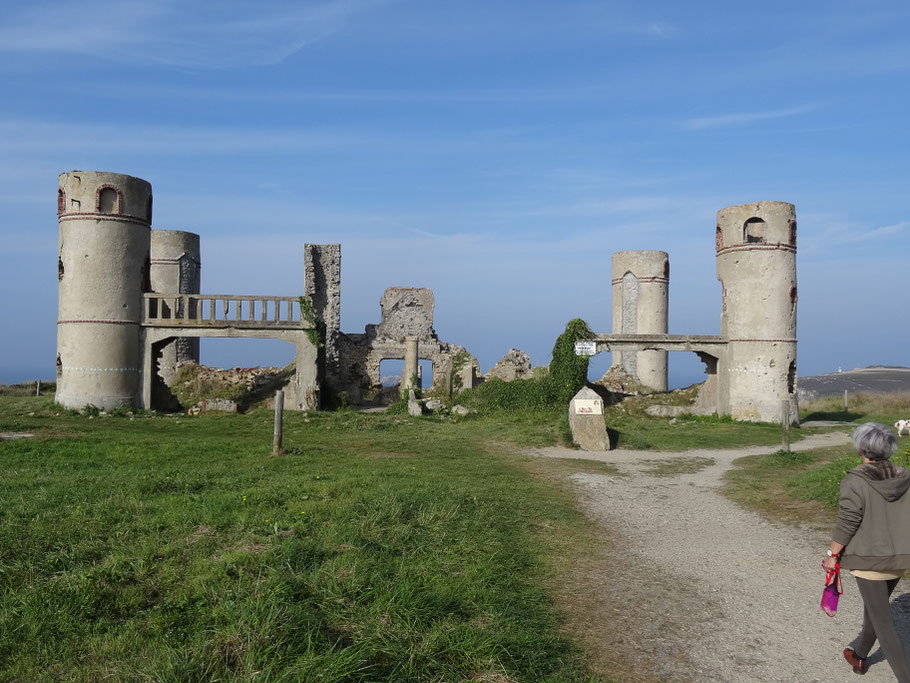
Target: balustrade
[{"x": 220, "y": 310}]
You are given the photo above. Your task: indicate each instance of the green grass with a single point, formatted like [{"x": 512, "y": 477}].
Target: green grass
[
  {"x": 175, "y": 548},
  {"x": 801, "y": 487}
]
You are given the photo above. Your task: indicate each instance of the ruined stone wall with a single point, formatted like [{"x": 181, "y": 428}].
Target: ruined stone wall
[
  {"x": 176, "y": 266},
  {"x": 640, "y": 306},
  {"x": 406, "y": 312},
  {"x": 103, "y": 270},
  {"x": 756, "y": 266},
  {"x": 322, "y": 283}
]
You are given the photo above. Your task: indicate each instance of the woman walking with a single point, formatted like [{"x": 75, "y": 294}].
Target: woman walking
[{"x": 872, "y": 540}]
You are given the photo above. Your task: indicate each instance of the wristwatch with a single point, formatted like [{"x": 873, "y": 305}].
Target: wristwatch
[{"x": 830, "y": 553}]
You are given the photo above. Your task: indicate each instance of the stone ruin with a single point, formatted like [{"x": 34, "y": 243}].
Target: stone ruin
[
  {"x": 404, "y": 332},
  {"x": 130, "y": 311}
]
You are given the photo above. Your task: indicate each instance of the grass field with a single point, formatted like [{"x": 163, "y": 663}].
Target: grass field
[
  {"x": 381, "y": 548},
  {"x": 175, "y": 548},
  {"x": 803, "y": 487}
]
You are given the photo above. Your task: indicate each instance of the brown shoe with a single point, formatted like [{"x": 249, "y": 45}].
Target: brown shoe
[{"x": 858, "y": 663}]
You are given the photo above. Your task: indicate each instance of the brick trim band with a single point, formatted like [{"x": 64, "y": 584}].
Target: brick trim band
[
  {"x": 101, "y": 322},
  {"x": 658, "y": 279},
  {"x": 780, "y": 246},
  {"x": 73, "y": 367},
  {"x": 104, "y": 217}
]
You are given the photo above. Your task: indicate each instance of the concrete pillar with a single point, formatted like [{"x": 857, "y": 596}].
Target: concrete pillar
[
  {"x": 411, "y": 364},
  {"x": 756, "y": 266},
  {"x": 103, "y": 270},
  {"x": 641, "y": 282},
  {"x": 176, "y": 269},
  {"x": 322, "y": 283}
]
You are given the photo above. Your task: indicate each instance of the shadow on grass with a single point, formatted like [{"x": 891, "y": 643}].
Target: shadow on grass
[{"x": 838, "y": 416}]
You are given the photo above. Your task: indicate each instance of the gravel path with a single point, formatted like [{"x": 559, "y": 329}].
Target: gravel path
[{"x": 707, "y": 591}]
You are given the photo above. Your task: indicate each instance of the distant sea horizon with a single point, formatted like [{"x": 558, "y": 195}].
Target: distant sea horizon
[{"x": 27, "y": 374}]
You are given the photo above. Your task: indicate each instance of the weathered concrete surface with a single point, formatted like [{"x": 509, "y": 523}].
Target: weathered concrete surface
[
  {"x": 756, "y": 266},
  {"x": 103, "y": 269},
  {"x": 406, "y": 312},
  {"x": 322, "y": 284},
  {"x": 175, "y": 268},
  {"x": 586, "y": 420},
  {"x": 415, "y": 409},
  {"x": 641, "y": 282},
  {"x": 516, "y": 364},
  {"x": 409, "y": 377}
]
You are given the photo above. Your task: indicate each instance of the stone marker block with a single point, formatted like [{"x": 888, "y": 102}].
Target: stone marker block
[
  {"x": 415, "y": 409},
  {"x": 586, "y": 419}
]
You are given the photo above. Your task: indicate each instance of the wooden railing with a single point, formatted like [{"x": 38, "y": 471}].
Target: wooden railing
[{"x": 221, "y": 310}]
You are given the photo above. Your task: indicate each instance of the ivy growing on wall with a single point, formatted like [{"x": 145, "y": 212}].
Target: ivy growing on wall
[
  {"x": 569, "y": 372},
  {"x": 316, "y": 333}
]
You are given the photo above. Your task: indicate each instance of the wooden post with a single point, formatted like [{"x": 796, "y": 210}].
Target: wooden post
[
  {"x": 279, "y": 423},
  {"x": 785, "y": 423},
  {"x": 845, "y": 400},
  {"x": 37, "y": 387}
]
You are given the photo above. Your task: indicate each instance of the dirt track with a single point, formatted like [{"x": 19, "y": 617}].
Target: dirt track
[{"x": 707, "y": 591}]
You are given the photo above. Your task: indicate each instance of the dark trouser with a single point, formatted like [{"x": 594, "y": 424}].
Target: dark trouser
[{"x": 879, "y": 623}]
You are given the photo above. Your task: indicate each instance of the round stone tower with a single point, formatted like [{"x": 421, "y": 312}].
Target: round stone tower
[
  {"x": 756, "y": 266},
  {"x": 176, "y": 269},
  {"x": 641, "y": 281},
  {"x": 103, "y": 269}
]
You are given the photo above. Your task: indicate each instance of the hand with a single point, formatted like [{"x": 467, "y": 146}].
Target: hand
[{"x": 829, "y": 564}]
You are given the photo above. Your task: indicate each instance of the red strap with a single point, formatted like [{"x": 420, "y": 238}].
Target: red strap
[{"x": 835, "y": 573}]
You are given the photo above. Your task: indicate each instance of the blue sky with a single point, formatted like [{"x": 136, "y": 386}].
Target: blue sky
[{"x": 496, "y": 152}]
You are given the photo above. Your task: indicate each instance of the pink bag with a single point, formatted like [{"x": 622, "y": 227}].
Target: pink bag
[{"x": 833, "y": 590}]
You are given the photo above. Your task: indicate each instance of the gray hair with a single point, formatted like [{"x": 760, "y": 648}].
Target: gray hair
[{"x": 874, "y": 440}]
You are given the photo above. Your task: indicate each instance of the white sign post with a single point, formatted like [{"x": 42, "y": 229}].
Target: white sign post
[{"x": 585, "y": 348}]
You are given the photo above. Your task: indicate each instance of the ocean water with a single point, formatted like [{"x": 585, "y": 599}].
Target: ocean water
[{"x": 17, "y": 375}]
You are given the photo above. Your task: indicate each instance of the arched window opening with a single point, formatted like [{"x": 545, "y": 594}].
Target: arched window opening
[
  {"x": 791, "y": 377},
  {"x": 59, "y": 269},
  {"x": 667, "y": 268},
  {"x": 719, "y": 239},
  {"x": 754, "y": 231},
  {"x": 59, "y": 365},
  {"x": 109, "y": 200},
  {"x": 61, "y": 201},
  {"x": 793, "y": 295},
  {"x": 791, "y": 224}
]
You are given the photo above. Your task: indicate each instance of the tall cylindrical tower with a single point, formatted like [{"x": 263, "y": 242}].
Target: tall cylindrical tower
[
  {"x": 641, "y": 281},
  {"x": 103, "y": 269},
  {"x": 176, "y": 269},
  {"x": 756, "y": 266}
]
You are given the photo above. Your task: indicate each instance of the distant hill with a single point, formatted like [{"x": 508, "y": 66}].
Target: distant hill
[{"x": 875, "y": 379}]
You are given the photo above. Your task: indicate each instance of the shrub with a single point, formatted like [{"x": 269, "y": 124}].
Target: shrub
[
  {"x": 569, "y": 372},
  {"x": 554, "y": 389}
]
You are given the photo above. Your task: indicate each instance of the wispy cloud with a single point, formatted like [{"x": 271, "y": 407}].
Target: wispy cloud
[
  {"x": 191, "y": 35},
  {"x": 743, "y": 118}
]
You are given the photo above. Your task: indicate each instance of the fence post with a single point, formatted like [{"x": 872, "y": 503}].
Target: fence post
[
  {"x": 845, "y": 400},
  {"x": 279, "y": 423},
  {"x": 37, "y": 387},
  {"x": 785, "y": 423}
]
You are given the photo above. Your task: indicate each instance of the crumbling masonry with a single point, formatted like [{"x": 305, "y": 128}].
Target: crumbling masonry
[
  {"x": 751, "y": 365},
  {"x": 130, "y": 310}
]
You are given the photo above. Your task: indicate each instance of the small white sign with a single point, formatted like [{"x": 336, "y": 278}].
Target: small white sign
[
  {"x": 585, "y": 348},
  {"x": 589, "y": 406}
]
